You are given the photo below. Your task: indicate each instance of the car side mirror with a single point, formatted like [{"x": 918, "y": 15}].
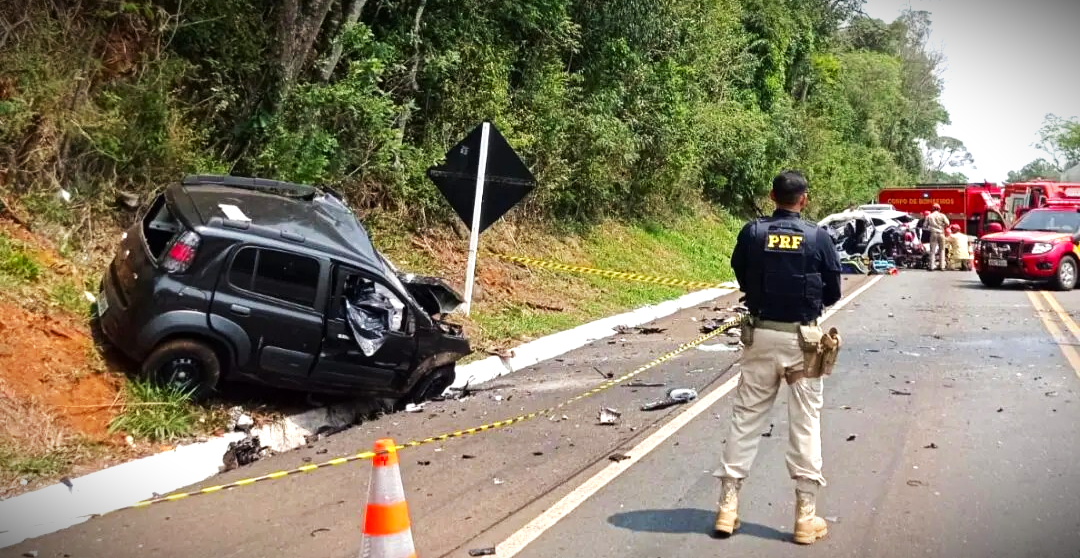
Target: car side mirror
[{"x": 1076, "y": 238}]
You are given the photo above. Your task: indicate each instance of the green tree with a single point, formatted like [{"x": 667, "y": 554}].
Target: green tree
[
  {"x": 1039, "y": 168},
  {"x": 1060, "y": 139}
]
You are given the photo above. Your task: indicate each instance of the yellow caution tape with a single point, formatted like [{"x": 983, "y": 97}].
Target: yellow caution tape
[
  {"x": 666, "y": 281},
  {"x": 727, "y": 325}
]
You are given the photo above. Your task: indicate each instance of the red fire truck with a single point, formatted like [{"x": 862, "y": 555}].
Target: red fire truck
[
  {"x": 1019, "y": 197},
  {"x": 972, "y": 206}
]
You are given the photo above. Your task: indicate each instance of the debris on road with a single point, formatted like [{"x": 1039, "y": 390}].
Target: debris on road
[
  {"x": 931, "y": 446},
  {"x": 319, "y": 530},
  {"x": 244, "y": 452},
  {"x": 916, "y": 483},
  {"x": 769, "y": 433},
  {"x": 832, "y": 519},
  {"x": 467, "y": 456},
  {"x": 498, "y": 481},
  {"x": 31, "y": 554},
  {"x": 674, "y": 397},
  {"x": 414, "y": 408},
  {"x": 424, "y": 463},
  {"x": 1000, "y": 409},
  {"x": 710, "y": 325},
  {"x": 718, "y": 348},
  {"x": 606, "y": 375},
  {"x": 898, "y": 392},
  {"x": 538, "y": 453},
  {"x": 1051, "y": 394},
  {"x": 851, "y": 438},
  {"x": 623, "y": 330},
  {"x": 618, "y": 457},
  {"x": 608, "y": 416},
  {"x": 643, "y": 384},
  {"x": 490, "y": 551}
]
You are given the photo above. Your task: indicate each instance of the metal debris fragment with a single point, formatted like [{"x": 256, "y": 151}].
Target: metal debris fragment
[{"x": 607, "y": 415}]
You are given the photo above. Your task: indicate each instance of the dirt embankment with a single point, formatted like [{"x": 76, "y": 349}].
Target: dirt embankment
[{"x": 57, "y": 395}]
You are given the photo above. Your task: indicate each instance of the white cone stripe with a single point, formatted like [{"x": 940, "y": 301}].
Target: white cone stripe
[
  {"x": 386, "y": 487},
  {"x": 388, "y": 546}
]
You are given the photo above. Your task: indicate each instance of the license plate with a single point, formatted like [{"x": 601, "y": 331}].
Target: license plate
[
  {"x": 998, "y": 263},
  {"x": 102, "y": 304}
]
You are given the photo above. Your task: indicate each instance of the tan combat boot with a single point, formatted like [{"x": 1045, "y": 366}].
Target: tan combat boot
[
  {"x": 727, "y": 517},
  {"x": 808, "y": 526}
]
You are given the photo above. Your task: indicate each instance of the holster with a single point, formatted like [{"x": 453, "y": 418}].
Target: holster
[
  {"x": 819, "y": 352},
  {"x": 747, "y": 333}
]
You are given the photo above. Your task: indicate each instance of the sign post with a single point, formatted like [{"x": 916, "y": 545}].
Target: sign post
[
  {"x": 482, "y": 178},
  {"x": 478, "y": 204}
]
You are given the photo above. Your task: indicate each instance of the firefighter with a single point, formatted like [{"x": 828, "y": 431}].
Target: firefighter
[
  {"x": 789, "y": 271},
  {"x": 958, "y": 248},
  {"x": 937, "y": 222}
]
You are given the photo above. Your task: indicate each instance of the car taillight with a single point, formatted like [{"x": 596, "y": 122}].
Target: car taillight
[{"x": 181, "y": 253}]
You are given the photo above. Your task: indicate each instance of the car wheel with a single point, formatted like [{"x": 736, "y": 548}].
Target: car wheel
[
  {"x": 184, "y": 364},
  {"x": 432, "y": 385},
  {"x": 1065, "y": 278},
  {"x": 992, "y": 281},
  {"x": 876, "y": 252}
]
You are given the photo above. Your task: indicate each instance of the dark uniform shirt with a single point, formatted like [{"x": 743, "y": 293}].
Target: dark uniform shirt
[{"x": 788, "y": 276}]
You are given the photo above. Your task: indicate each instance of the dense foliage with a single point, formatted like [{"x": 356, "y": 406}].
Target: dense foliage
[{"x": 622, "y": 108}]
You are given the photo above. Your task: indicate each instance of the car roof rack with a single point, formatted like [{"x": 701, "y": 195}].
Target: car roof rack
[{"x": 276, "y": 187}]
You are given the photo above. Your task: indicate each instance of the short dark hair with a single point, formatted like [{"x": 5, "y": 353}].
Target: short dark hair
[{"x": 788, "y": 186}]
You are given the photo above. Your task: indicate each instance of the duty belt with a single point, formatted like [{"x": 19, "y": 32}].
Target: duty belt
[{"x": 785, "y": 327}]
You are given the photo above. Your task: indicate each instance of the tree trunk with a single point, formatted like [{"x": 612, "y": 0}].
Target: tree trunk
[
  {"x": 298, "y": 27},
  {"x": 352, "y": 15},
  {"x": 411, "y": 86}
]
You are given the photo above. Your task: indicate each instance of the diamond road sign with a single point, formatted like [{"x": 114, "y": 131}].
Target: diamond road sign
[{"x": 506, "y": 179}]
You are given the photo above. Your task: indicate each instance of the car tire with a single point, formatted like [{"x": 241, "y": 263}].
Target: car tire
[
  {"x": 432, "y": 385},
  {"x": 1065, "y": 277},
  {"x": 992, "y": 281},
  {"x": 185, "y": 364}
]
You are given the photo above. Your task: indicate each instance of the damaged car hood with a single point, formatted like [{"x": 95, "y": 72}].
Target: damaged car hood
[{"x": 435, "y": 295}]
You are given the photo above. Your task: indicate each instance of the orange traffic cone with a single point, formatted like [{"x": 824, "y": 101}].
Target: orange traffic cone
[{"x": 387, "y": 532}]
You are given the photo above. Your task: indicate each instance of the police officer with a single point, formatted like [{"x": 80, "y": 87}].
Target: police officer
[{"x": 789, "y": 271}]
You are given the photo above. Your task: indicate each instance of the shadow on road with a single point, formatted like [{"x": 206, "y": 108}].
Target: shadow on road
[{"x": 686, "y": 521}]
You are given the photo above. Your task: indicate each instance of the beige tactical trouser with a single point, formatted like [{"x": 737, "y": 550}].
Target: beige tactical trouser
[
  {"x": 937, "y": 250},
  {"x": 762, "y": 369}
]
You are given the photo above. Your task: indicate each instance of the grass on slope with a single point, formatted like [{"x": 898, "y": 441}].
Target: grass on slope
[{"x": 516, "y": 304}]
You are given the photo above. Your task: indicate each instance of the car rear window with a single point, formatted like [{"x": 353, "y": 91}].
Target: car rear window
[
  {"x": 276, "y": 274},
  {"x": 160, "y": 227}
]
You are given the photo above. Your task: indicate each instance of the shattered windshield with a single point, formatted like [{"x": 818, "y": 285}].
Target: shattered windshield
[{"x": 1066, "y": 222}]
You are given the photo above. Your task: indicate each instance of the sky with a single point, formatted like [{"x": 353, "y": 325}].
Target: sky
[{"x": 1008, "y": 63}]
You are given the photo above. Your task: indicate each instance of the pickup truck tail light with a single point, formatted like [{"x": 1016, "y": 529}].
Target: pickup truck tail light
[{"x": 181, "y": 253}]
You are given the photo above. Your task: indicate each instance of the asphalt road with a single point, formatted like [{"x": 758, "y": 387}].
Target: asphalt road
[{"x": 999, "y": 483}]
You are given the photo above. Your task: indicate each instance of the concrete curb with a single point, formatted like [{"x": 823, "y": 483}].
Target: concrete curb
[
  {"x": 556, "y": 344},
  {"x": 57, "y": 507}
]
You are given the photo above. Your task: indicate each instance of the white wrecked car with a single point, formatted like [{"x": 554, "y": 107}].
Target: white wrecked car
[{"x": 860, "y": 233}]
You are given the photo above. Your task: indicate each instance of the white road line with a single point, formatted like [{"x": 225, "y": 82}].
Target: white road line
[{"x": 531, "y": 531}]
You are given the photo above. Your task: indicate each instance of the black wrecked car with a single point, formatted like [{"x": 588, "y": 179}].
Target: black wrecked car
[{"x": 230, "y": 278}]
